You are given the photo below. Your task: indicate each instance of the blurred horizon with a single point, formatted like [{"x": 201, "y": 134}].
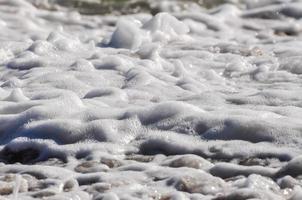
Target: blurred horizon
[
  {"x": 121, "y": 7},
  {"x": 91, "y": 7}
]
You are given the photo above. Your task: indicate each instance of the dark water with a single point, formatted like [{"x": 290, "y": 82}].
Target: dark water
[{"x": 124, "y": 6}]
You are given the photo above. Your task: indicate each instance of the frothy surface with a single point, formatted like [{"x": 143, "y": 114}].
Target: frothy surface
[{"x": 194, "y": 104}]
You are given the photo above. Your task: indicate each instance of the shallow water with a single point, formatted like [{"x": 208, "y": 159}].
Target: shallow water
[
  {"x": 120, "y": 7},
  {"x": 191, "y": 103}
]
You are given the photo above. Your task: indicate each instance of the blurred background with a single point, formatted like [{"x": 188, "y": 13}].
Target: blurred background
[
  {"x": 124, "y": 6},
  {"x": 117, "y": 7}
]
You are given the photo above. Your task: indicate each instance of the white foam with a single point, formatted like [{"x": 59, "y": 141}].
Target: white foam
[{"x": 189, "y": 104}]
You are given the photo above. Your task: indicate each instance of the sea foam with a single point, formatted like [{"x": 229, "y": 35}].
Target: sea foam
[{"x": 191, "y": 103}]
